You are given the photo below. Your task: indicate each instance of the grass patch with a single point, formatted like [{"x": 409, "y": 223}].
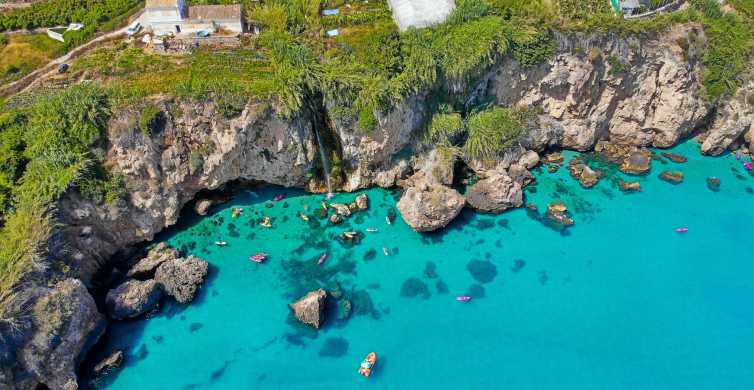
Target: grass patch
[{"x": 22, "y": 54}]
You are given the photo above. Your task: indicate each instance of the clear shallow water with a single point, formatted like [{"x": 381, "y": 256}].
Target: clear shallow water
[{"x": 620, "y": 301}]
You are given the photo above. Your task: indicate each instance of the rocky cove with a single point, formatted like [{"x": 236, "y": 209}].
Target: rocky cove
[{"x": 611, "y": 93}]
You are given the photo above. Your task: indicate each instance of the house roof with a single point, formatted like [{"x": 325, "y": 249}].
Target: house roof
[
  {"x": 162, "y": 4},
  {"x": 215, "y": 12}
]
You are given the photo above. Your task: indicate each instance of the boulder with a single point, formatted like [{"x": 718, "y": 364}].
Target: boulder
[
  {"x": 586, "y": 176},
  {"x": 673, "y": 177},
  {"x": 181, "y": 278},
  {"x": 428, "y": 207},
  {"x": 676, "y": 158},
  {"x": 362, "y": 202},
  {"x": 520, "y": 174},
  {"x": 132, "y": 299},
  {"x": 66, "y": 324},
  {"x": 713, "y": 184},
  {"x": 341, "y": 209},
  {"x": 558, "y": 213},
  {"x": 495, "y": 194},
  {"x": 109, "y": 363},
  {"x": 336, "y": 219},
  {"x": 310, "y": 309},
  {"x": 146, "y": 267},
  {"x": 553, "y": 158},
  {"x": 638, "y": 162},
  {"x": 530, "y": 159},
  {"x": 629, "y": 186},
  {"x": 202, "y": 206}
]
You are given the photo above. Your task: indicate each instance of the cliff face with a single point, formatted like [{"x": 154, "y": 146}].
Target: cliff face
[{"x": 598, "y": 87}]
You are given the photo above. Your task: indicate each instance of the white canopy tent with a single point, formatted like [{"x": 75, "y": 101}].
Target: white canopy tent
[{"x": 420, "y": 13}]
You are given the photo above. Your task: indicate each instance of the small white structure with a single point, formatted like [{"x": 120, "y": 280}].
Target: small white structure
[
  {"x": 420, "y": 13},
  {"x": 55, "y": 35},
  {"x": 165, "y": 17}
]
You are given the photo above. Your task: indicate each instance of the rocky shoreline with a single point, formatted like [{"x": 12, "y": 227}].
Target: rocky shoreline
[{"x": 583, "y": 103}]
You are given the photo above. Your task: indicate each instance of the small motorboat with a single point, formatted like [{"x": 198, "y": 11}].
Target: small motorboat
[
  {"x": 258, "y": 258},
  {"x": 237, "y": 211},
  {"x": 322, "y": 259},
  {"x": 367, "y": 365},
  {"x": 329, "y": 196},
  {"x": 278, "y": 197},
  {"x": 385, "y": 251},
  {"x": 387, "y": 219},
  {"x": 349, "y": 235},
  {"x": 682, "y": 230},
  {"x": 221, "y": 243},
  {"x": 372, "y": 230},
  {"x": 463, "y": 298},
  {"x": 266, "y": 222},
  {"x": 303, "y": 217}
]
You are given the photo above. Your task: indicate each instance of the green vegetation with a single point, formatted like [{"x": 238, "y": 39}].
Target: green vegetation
[
  {"x": 488, "y": 132},
  {"x": 730, "y": 46},
  {"x": 46, "y": 148},
  {"x": 149, "y": 118},
  {"x": 50, "y": 13}
]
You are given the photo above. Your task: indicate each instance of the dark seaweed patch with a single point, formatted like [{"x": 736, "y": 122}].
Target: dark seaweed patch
[
  {"x": 749, "y": 190},
  {"x": 476, "y": 291},
  {"x": 370, "y": 255},
  {"x": 484, "y": 224},
  {"x": 442, "y": 287},
  {"x": 140, "y": 354},
  {"x": 334, "y": 347},
  {"x": 518, "y": 264},
  {"x": 294, "y": 339},
  {"x": 503, "y": 223},
  {"x": 216, "y": 374},
  {"x": 395, "y": 251},
  {"x": 362, "y": 304},
  {"x": 543, "y": 278},
  {"x": 373, "y": 286},
  {"x": 195, "y": 326},
  {"x": 430, "y": 270},
  {"x": 414, "y": 287},
  {"x": 482, "y": 271},
  {"x": 158, "y": 339}
]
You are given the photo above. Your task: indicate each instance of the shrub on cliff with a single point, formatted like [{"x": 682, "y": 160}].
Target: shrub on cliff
[{"x": 492, "y": 131}]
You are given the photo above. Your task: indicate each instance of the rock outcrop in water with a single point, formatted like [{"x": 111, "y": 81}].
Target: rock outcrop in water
[
  {"x": 133, "y": 298},
  {"x": 181, "y": 278},
  {"x": 310, "y": 309},
  {"x": 495, "y": 194},
  {"x": 147, "y": 266}
]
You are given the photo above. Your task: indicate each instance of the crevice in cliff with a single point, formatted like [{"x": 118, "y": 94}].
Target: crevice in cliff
[{"x": 323, "y": 128}]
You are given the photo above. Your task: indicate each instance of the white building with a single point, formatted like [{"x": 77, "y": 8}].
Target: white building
[
  {"x": 420, "y": 13},
  {"x": 175, "y": 17}
]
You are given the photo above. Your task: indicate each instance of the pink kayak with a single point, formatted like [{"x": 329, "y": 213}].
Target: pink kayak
[
  {"x": 258, "y": 258},
  {"x": 278, "y": 197},
  {"x": 322, "y": 259},
  {"x": 682, "y": 230},
  {"x": 463, "y": 298},
  {"x": 748, "y": 166}
]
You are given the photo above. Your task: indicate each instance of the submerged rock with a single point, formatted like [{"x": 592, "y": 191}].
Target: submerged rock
[
  {"x": 133, "y": 298},
  {"x": 676, "y": 158},
  {"x": 638, "y": 162},
  {"x": 146, "y": 267},
  {"x": 558, "y": 213},
  {"x": 181, "y": 278},
  {"x": 428, "y": 207},
  {"x": 336, "y": 219},
  {"x": 495, "y": 194},
  {"x": 629, "y": 186},
  {"x": 310, "y": 309},
  {"x": 713, "y": 183},
  {"x": 109, "y": 363},
  {"x": 673, "y": 177}
]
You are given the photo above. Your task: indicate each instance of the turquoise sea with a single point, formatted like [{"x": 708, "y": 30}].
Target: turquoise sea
[{"x": 618, "y": 301}]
